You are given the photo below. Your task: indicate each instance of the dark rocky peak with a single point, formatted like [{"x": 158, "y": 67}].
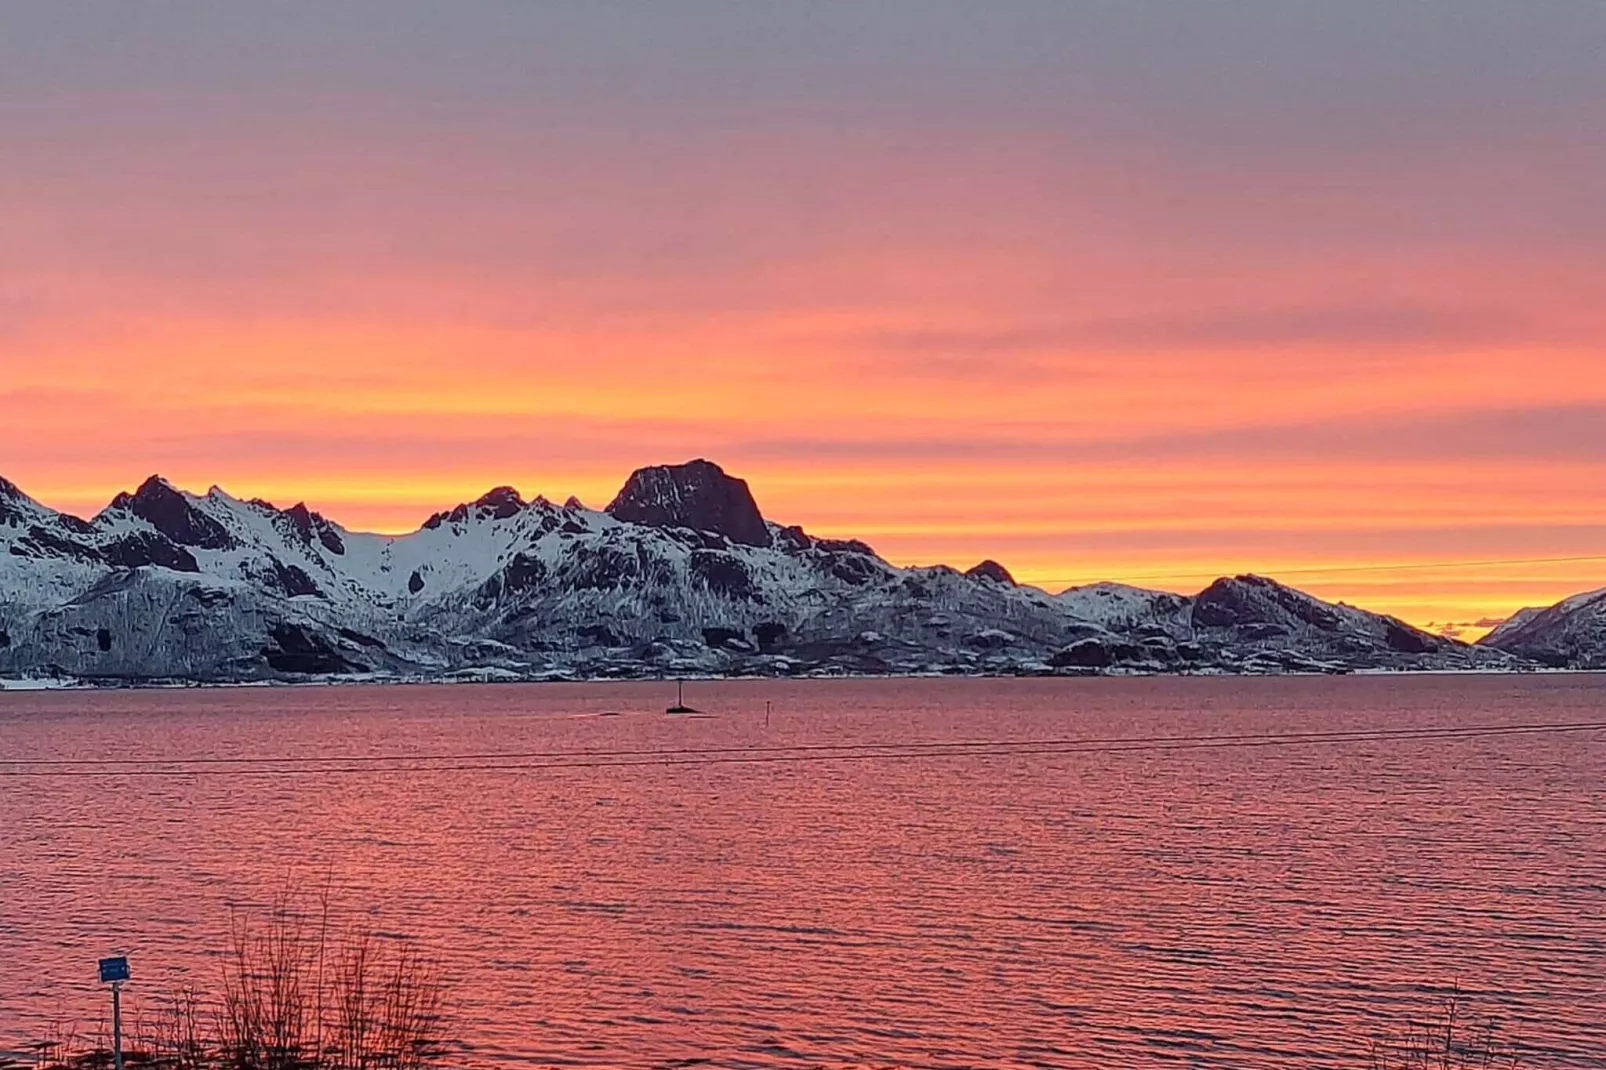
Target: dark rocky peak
[
  {"x": 697, "y": 495},
  {"x": 310, "y": 525},
  {"x": 155, "y": 488},
  {"x": 19, "y": 510},
  {"x": 991, "y": 570},
  {"x": 574, "y": 505},
  {"x": 500, "y": 503},
  {"x": 845, "y": 546},
  {"x": 301, "y": 518},
  {"x": 11, "y": 501},
  {"x": 174, "y": 515},
  {"x": 1250, "y": 599},
  {"x": 791, "y": 539},
  {"x": 455, "y": 516}
]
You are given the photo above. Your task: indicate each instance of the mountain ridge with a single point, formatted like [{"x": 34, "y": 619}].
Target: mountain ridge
[
  {"x": 680, "y": 573},
  {"x": 1570, "y": 634}
]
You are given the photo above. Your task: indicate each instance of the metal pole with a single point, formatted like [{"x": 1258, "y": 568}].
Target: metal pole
[{"x": 117, "y": 1024}]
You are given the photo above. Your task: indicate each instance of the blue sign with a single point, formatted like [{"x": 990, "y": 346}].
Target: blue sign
[{"x": 113, "y": 970}]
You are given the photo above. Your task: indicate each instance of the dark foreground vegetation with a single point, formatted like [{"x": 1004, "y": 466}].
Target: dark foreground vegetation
[
  {"x": 294, "y": 994},
  {"x": 1448, "y": 1039}
]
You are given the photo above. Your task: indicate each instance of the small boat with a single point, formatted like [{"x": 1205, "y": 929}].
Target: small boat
[{"x": 680, "y": 699}]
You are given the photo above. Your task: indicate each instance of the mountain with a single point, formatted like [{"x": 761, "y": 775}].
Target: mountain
[
  {"x": 680, "y": 574},
  {"x": 697, "y": 495},
  {"x": 1570, "y": 634}
]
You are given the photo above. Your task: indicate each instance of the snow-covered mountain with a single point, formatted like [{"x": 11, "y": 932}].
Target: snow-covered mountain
[
  {"x": 680, "y": 573},
  {"x": 1570, "y": 634}
]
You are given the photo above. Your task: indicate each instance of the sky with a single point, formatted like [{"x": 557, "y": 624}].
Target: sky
[{"x": 1131, "y": 290}]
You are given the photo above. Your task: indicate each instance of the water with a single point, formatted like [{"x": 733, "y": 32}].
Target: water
[{"x": 1223, "y": 907}]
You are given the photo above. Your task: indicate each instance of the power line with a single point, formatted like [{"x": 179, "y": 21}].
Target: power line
[
  {"x": 550, "y": 760},
  {"x": 460, "y": 756}
]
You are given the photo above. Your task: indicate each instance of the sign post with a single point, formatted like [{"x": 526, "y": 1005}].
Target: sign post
[{"x": 114, "y": 972}]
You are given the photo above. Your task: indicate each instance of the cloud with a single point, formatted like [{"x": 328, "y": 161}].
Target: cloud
[
  {"x": 1256, "y": 71},
  {"x": 1103, "y": 266},
  {"x": 1341, "y": 327},
  {"x": 1571, "y": 434},
  {"x": 1459, "y": 628}
]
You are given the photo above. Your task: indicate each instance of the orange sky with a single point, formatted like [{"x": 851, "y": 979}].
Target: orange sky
[{"x": 1285, "y": 331}]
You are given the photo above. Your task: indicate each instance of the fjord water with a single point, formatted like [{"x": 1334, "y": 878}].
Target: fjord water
[{"x": 1230, "y": 906}]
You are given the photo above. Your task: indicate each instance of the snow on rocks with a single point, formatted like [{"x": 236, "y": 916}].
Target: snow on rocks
[{"x": 681, "y": 573}]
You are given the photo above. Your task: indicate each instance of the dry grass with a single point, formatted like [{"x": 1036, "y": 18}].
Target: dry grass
[
  {"x": 296, "y": 994},
  {"x": 1447, "y": 1040}
]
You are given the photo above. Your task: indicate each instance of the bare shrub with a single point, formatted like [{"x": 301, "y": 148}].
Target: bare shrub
[
  {"x": 295, "y": 995},
  {"x": 1446, "y": 1040},
  {"x": 179, "y": 1038},
  {"x": 387, "y": 1009},
  {"x": 266, "y": 1021},
  {"x": 296, "y": 998}
]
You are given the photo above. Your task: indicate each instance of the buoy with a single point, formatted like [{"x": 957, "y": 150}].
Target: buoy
[{"x": 680, "y": 699}]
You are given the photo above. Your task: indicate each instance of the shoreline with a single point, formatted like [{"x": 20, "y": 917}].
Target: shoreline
[{"x": 30, "y": 685}]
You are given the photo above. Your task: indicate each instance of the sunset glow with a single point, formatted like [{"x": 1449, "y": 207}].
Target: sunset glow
[
  {"x": 765, "y": 534},
  {"x": 1092, "y": 322}
]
